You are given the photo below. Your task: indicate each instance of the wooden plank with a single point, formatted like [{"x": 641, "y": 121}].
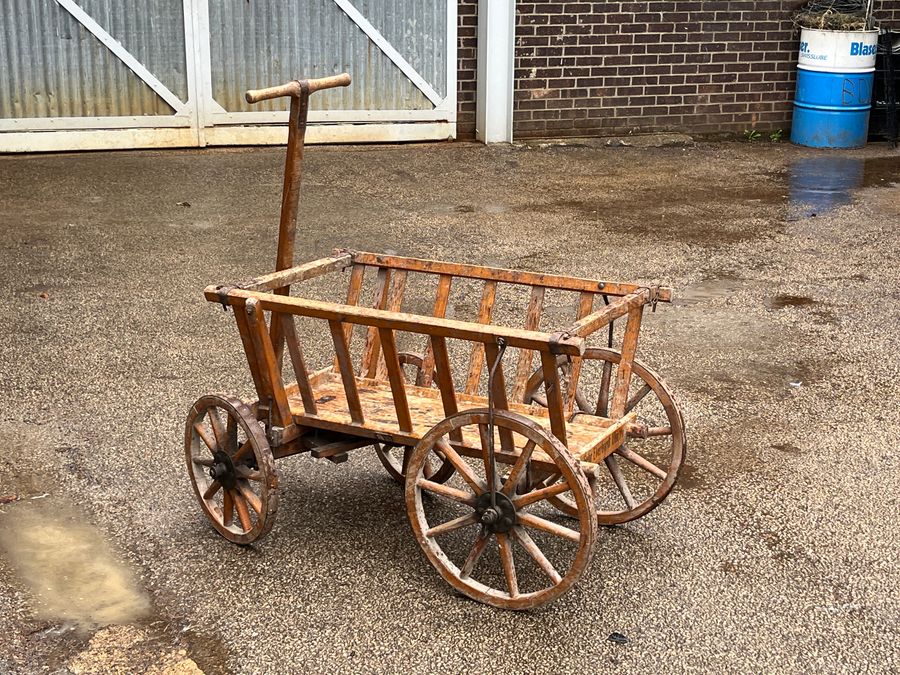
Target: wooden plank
[
  {"x": 587, "y": 325},
  {"x": 395, "y": 376},
  {"x": 353, "y": 289},
  {"x": 441, "y": 301},
  {"x": 503, "y": 275},
  {"x": 394, "y": 304},
  {"x": 281, "y": 413},
  {"x": 372, "y": 348},
  {"x": 299, "y": 273},
  {"x": 279, "y": 282},
  {"x": 259, "y": 383},
  {"x": 444, "y": 379},
  {"x": 532, "y": 322},
  {"x": 412, "y": 323},
  {"x": 585, "y": 305},
  {"x": 298, "y": 363},
  {"x": 604, "y": 443},
  {"x": 476, "y": 360},
  {"x": 623, "y": 373},
  {"x": 345, "y": 365},
  {"x": 554, "y": 397},
  {"x": 492, "y": 353}
]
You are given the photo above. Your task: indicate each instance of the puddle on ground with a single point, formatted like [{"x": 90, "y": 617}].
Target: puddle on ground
[
  {"x": 710, "y": 288},
  {"x": 783, "y": 300},
  {"x": 821, "y": 184},
  {"x": 72, "y": 573}
]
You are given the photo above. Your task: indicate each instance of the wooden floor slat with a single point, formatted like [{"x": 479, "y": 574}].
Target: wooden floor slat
[{"x": 425, "y": 408}]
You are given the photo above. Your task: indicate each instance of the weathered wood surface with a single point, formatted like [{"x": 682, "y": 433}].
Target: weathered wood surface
[
  {"x": 503, "y": 275},
  {"x": 426, "y": 409}
]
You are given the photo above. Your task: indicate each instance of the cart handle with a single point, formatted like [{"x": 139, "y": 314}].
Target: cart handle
[{"x": 293, "y": 87}]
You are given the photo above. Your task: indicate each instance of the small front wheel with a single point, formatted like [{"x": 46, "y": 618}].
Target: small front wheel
[
  {"x": 457, "y": 522},
  {"x": 231, "y": 468}
]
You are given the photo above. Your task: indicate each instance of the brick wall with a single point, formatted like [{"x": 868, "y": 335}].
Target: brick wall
[
  {"x": 592, "y": 68},
  {"x": 467, "y": 39}
]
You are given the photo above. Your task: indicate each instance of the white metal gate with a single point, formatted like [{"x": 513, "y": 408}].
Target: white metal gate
[{"x": 92, "y": 74}]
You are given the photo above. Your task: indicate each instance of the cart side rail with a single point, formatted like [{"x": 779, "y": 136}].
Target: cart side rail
[
  {"x": 250, "y": 307},
  {"x": 499, "y": 274}
]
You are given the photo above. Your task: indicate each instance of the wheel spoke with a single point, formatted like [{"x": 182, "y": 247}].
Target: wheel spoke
[
  {"x": 250, "y": 496},
  {"x": 231, "y": 434},
  {"x": 242, "y": 452},
  {"x": 243, "y": 514},
  {"x": 540, "y": 399},
  {"x": 453, "y": 493},
  {"x": 485, "y": 453},
  {"x": 540, "y": 495},
  {"x": 518, "y": 469},
  {"x": 218, "y": 430},
  {"x": 659, "y": 431},
  {"x": 211, "y": 491},
  {"x": 538, "y": 523},
  {"x": 477, "y": 549},
  {"x": 603, "y": 397},
  {"x": 247, "y": 473},
  {"x": 509, "y": 565},
  {"x": 202, "y": 461},
  {"x": 227, "y": 508},
  {"x": 536, "y": 554},
  {"x": 645, "y": 464},
  {"x": 637, "y": 398},
  {"x": 616, "y": 472},
  {"x": 462, "y": 468},
  {"x": 452, "y": 525},
  {"x": 208, "y": 440}
]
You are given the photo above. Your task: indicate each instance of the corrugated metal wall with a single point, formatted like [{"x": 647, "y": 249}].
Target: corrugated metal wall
[
  {"x": 53, "y": 66},
  {"x": 266, "y": 42}
]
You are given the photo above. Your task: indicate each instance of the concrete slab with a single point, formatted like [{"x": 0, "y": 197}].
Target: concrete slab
[{"x": 777, "y": 552}]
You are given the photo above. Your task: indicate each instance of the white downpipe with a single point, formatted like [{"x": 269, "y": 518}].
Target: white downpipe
[{"x": 496, "y": 51}]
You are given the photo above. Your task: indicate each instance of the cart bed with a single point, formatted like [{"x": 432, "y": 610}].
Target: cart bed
[{"x": 590, "y": 438}]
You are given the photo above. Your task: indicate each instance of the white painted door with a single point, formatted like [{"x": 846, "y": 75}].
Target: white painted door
[{"x": 91, "y": 74}]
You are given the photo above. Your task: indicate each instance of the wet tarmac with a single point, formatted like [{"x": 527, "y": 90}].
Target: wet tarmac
[{"x": 775, "y": 553}]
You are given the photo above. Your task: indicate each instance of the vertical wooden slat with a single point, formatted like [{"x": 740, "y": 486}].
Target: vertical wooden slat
[
  {"x": 585, "y": 305},
  {"x": 492, "y": 352},
  {"x": 394, "y": 304},
  {"x": 261, "y": 385},
  {"x": 623, "y": 373},
  {"x": 532, "y": 322},
  {"x": 554, "y": 397},
  {"x": 373, "y": 348},
  {"x": 445, "y": 380},
  {"x": 356, "y": 279},
  {"x": 394, "y": 374},
  {"x": 484, "y": 316},
  {"x": 289, "y": 330},
  {"x": 256, "y": 320},
  {"x": 345, "y": 365},
  {"x": 440, "y": 311}
]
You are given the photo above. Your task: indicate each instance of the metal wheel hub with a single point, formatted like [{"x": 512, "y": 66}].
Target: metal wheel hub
[
  {"x": 496, "y": 519},
  {"x": 222, "y": 470}
]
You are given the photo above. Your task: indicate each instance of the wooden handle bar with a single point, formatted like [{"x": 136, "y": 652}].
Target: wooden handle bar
[{"x": 292, "y": 88}]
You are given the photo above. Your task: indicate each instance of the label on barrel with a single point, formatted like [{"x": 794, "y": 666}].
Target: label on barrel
[{"x": 838, "y": 51}]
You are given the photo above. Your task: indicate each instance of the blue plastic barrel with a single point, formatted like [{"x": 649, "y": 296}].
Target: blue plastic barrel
[{"x": 834, "y": 88}]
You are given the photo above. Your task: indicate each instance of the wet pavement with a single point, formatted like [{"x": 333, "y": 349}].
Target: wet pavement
[{"x": 776, "y": 552}]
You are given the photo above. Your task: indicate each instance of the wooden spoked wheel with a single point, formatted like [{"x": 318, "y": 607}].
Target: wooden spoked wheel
[
  {"x": 642, "y": 472},
  {"x": 510, "y": 552},
  {"x": 394, "y": 458},
  {"x": 231, "y": 468}
]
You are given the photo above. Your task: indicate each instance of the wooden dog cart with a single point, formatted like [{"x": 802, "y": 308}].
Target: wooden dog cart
[{"x": 485, "y": 457}]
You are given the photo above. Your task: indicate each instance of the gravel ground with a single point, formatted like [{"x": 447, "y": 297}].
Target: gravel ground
[{"x": 777, "y": 552}]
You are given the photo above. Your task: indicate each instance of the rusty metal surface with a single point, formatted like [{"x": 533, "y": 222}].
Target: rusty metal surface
[{"x": 269, "y": 41}]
